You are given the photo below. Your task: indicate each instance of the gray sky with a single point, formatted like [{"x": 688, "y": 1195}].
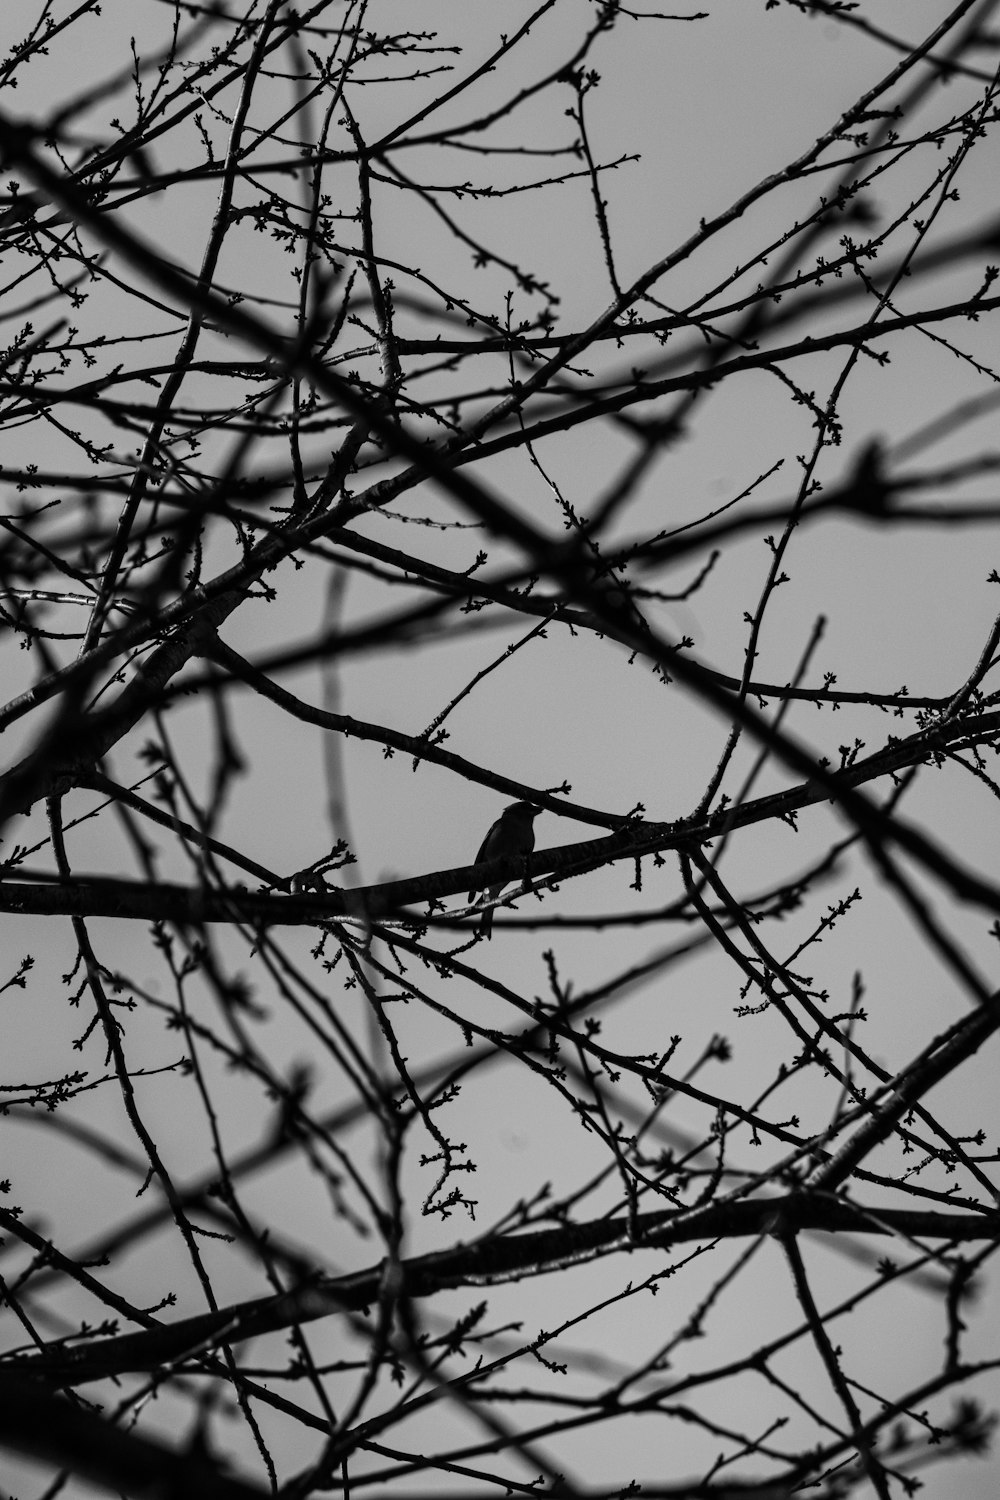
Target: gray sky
[{"x": 714, "y": 106}]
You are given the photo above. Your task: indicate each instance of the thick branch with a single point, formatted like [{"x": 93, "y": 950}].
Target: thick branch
[{"x": 488, "y": 1261}]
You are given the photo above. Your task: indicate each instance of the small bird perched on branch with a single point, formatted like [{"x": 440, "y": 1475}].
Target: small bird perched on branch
[{"x": 512, "y": 833}]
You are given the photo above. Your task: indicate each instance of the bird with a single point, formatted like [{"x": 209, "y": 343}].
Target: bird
[{"x": 512, "y": 833}]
